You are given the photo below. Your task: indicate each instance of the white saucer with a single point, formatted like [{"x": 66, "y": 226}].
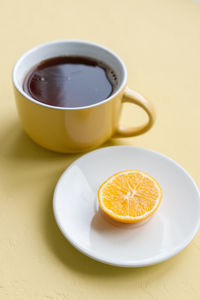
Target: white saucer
[{"x": 166, "y": 233}]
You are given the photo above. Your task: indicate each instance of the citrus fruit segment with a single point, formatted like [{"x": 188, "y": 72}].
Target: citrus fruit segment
[{"x": 129, "y": 196}]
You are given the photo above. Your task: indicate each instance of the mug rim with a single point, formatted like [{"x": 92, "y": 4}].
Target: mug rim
[{"x": 21, "y": 91}]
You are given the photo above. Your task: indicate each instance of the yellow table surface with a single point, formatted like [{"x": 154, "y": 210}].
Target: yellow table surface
[{"x": 159, "y": 41}]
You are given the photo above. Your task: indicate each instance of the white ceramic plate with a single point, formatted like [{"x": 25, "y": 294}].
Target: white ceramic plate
[{"x": 166, "y": 233}]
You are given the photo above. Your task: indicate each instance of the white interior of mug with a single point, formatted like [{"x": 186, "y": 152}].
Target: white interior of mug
[{"x": 62, "y": 48}]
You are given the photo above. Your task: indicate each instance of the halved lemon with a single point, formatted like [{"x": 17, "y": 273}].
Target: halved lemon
[{"x": 129, "y": 196}]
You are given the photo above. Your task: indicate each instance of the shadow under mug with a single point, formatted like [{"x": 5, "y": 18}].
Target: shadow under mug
[{"x": 76, "y": 129}]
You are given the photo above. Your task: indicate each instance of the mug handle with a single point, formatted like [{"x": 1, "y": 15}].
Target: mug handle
[{"x": 131, "y": 96}]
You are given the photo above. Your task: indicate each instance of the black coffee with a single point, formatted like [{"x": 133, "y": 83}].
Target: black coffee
[{"x": 70, "y": 81}]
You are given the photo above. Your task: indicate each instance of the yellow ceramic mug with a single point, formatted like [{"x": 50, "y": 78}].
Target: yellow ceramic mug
[{"x": 76, "y": 129}]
